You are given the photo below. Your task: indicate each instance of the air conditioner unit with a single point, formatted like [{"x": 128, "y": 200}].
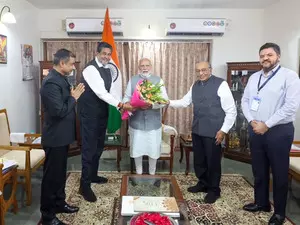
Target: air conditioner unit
[
  {"x": 213, "y": 27},
  {"x": 92, "y": 26}
]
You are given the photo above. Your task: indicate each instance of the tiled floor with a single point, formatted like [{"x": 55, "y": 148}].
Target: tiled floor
[{"x": 30, "y": 215}]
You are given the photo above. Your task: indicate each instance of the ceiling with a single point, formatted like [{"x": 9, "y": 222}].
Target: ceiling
[{"x": 151, "y": 4}]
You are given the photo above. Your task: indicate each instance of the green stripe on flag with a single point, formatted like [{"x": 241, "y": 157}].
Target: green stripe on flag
[{"x": 114, "y": 120}]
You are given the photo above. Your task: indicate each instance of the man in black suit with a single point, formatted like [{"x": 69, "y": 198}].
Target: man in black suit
[{"x": 59, "y": 100}]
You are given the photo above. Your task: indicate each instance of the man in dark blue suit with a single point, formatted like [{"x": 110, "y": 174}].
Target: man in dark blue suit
[{"x": 58, "y": 100}]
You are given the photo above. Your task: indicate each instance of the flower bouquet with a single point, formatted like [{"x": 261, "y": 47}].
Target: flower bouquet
[
  {"x": 151, "y": 218},
  {"x": 145, "y": 93}
]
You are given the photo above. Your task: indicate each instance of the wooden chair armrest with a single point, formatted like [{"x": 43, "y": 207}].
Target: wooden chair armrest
[
  {"x": 38, "y": 146},
  {"x": 7, "y": 147},
  {"x": 29, "y": 138},
  {"x": 295, "y": 154},
  {"x": 33, "y": 135}
]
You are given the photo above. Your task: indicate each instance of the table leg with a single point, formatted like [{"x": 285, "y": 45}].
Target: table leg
[
  {"x": 181, "y": 153},
  {"x": 187, "y": 158},
  {"x": 118, "y": 158}
]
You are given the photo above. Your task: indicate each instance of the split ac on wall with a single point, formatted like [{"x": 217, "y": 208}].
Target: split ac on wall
[
  {"x": 195, "y": 26},
  {"x": 92, "y": 26}
]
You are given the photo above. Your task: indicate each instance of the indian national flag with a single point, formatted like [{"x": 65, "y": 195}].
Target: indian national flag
[{"x": 114, "y": 119}]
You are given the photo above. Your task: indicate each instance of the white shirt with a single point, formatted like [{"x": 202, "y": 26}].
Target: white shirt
[
  {"x": 96, "y": 83},
  {"x": 227, "y": 104},
  {"x": 279, "y": 98}
]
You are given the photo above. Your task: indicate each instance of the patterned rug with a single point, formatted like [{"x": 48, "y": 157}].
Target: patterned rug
[{"x": 227, "y": 210}]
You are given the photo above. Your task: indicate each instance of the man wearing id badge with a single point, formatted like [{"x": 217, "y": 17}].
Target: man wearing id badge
[{"x": 270, "y": 102}]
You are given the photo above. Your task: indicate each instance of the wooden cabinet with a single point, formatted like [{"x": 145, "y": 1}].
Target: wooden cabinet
[
  {"x": 237, "y": 139},
  {"x": 74, "y": 78}
]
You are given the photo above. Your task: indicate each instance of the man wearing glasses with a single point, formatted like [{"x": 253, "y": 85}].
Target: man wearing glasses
[{"x": 214, "y": 115}]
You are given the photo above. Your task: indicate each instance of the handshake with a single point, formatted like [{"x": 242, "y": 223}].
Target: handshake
[{"x": 127, "y": 106}]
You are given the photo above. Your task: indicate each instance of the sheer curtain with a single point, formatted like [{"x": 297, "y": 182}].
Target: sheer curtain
[
  {"x": 173, "y": 61},
  {"x": 77, "y": 47}
]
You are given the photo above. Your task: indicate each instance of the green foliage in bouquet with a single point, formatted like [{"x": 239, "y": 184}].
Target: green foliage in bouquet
[{"x": 151, "y": 92}]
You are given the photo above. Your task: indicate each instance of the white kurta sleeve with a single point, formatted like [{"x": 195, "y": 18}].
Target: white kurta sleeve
[
  {"x": 228, "y": 105},
  {"x": 96, "y": 83},
  {"x": 184, "y": 102}
]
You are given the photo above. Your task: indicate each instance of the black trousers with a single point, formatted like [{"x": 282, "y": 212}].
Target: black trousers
[
  {"x": 93, "y": 132},
  {"x": 271, "y": 150},
  {"x": 207, "y": 162},
  {"x": 54, "y": 180}
]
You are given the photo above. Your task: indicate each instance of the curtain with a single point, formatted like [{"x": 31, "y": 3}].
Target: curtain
[
  {"x": 173, "y": 61},
  {"x": 77, "y": 47}
]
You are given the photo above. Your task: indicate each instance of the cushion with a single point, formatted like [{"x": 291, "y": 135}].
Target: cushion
[
  {"x": 36, "y": 155},
  {"x": 295, "y": 164},
  {"x": 4, "y": 131},
  {"x": 166, "y": 138},
  {"x": 3, "y": 152},
  {"x": 165, "y": 149}
]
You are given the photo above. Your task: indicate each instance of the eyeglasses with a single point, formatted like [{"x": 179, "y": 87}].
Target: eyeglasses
[{"x": 204, "y": 70}]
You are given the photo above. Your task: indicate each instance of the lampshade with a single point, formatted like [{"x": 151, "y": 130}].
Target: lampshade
[{"x": 7, "y": 17}]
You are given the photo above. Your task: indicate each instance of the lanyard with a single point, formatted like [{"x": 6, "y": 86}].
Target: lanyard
[{"x": 261, "y": 87}]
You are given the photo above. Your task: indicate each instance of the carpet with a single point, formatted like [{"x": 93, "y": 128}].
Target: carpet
[{"x": 227, "y": 210}]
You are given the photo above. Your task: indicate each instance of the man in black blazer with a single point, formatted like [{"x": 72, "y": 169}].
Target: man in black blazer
[{"x": 58, "y": 100}]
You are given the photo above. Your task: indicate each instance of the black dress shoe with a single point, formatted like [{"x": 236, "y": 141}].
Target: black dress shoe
[
  {"x": 87, "y": 193},
  {"x": 67, "y": 209},
  {"x": 197, "y": 188},
  {"x": 99, "y": 180},
  {"x": 54, "y": 221},
  {"x": 252, "y": 207},
  {"x": 276, "y": 220},
  {"x": 211, "y": 197}
]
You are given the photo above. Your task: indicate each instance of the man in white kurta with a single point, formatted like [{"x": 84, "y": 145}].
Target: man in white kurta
[{"x": 145, "y": 129}]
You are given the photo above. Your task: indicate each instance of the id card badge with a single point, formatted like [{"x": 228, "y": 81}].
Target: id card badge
[{"x": 255, "y": 103}]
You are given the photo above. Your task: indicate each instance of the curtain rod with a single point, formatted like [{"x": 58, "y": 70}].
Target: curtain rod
[{"x": 130, "y": 40}]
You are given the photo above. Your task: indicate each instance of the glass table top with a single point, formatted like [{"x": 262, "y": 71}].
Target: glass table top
[{"x": 147, "y": 186}]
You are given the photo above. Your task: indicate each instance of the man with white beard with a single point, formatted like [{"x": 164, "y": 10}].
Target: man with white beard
[{"x": 145, "y": 123}]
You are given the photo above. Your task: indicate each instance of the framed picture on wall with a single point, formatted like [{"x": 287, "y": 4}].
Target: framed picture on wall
[{"x": 3, "y": 49}]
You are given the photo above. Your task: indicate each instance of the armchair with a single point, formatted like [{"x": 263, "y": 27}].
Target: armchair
[
  {"x": 29, "y": 159},
  {"x": 167, "y": 146}
]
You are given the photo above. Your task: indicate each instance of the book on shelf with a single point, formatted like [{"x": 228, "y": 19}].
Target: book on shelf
[{"x": 132, "y": 205}]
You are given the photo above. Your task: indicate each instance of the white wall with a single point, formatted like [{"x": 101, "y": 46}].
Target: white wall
[
  {"x": 279, "y": 27},
  {"x": 17, "y": 96},
  {"x": 240, "y": 42}
]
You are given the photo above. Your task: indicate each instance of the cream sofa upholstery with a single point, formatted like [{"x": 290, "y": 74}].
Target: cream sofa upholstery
[
  {"x": 295, "y": 164},
  {"x": 295, "y": 159},
  {"x": 167, "y": 132},
  {"x": 27, "y": 158}
]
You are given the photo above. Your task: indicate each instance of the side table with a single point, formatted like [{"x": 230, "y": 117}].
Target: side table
[
  {"x": 112, "y": 142},
  {"x": 8, "y": 176},
  {"x": 187, "y": 146}
]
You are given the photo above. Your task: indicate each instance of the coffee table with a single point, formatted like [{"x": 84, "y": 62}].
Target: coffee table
[{"x": 149, "y": 185}]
